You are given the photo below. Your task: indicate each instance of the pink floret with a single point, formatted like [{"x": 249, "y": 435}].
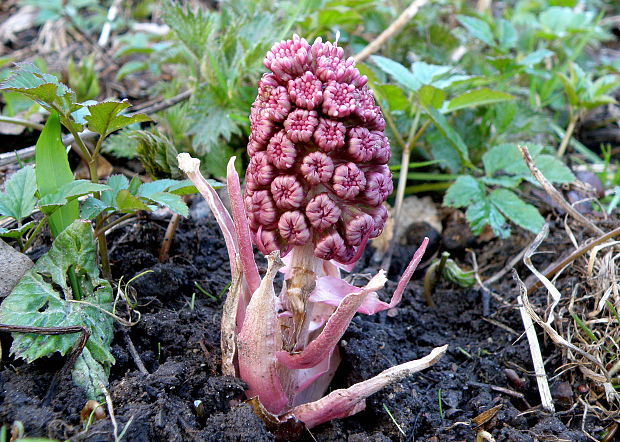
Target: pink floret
[
  {"x": 329, "y": 134},
  {"x": 338, "y": 99},
  {"x": 300, "y": 125},
  {"x": 287, "y": 192},
  {"x": 289, "y": 58},
  {"x": 281, "y": 151},
  {"x": 293, "y": 228},
  {"x": 317, "y": 168},
  {"x": 330, "y": 246},
  {"x": 306, "y": 91},
  {"x": 322, "y": 212},
  {"x": 348, "y": 181}
]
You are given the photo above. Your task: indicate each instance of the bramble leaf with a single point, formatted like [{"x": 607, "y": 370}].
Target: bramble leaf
[
  {"x": 403, "y": 75},
  {"x": 516, "y": 210},
  {"x": 44, "y": 298},
  {"x": 477, "y": 28},
  {"x": 481, "y": 213},
  {"x": 105, "y": 117},
  {"x": 465, "y": 190},
  {"x": 69, "y": 192}
]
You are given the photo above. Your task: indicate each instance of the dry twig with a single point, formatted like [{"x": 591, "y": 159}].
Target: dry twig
[
  {"x": 401, "y": 21},
  {"x": 554, "y": 194}
]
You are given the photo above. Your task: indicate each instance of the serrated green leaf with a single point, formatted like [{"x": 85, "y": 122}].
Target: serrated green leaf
[
  {"x": 506, "y": 157},
  {"x": 535, "y": 57},
  {"x": 105, "y": 117},
  {"x": 90, "y": 375},
  {"x": 116, "y": 183},
  {"x": 126, "y": 202},
  {"x": 482, "y": 213},
  {"x": 35, "y": 301},
  {"x": 53, "y": 171},
  {"x": 18, "y": 199},
  {"x": 69, "y": 192},
  {"x": 516, "y": 210},
  {"x": 553, "y": 169},
  {"x": 464, "y": 191},
  {"x": 29, "y": 80},
  {"x": 403, "y": 75},
  {"x": 478, "y": 97},
  {"x": 92, "y": 207},
  {"x": 171, "y": 201},
  {"x": 427, "y": 73},
  {"x": 431, "y": 96},
  {"x": 477, "y": 28},
  {"x": 453, "y": 137}
]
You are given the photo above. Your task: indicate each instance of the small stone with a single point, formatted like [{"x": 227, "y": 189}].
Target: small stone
[{"x": 13, "y": 265}]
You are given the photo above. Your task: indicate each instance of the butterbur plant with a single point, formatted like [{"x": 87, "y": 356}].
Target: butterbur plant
[{"x": 314, "y": 194}]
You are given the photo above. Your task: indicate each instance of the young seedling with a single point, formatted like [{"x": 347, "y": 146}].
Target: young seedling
[{"x": 314, "y": 194}]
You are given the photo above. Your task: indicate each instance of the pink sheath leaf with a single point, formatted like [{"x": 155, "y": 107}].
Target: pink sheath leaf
[
  {"x": 258, "y": 341},
  {"x": 244, "y": 242},
  {"x": 336, "y": 325},
  {"x": 331, "y": 291},
  {"x": 191, "y": 166},
  {"x": 314, "y": 382},
  {"x": 346, "y": 402}
]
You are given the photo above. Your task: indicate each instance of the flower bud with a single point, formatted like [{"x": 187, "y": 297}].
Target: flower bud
[{"x": 318, "y": 152}]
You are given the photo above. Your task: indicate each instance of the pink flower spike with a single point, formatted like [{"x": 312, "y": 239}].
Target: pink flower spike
[
  {"x": 289, "y": 58},
  {"x": 322, "y": 212},
  {"x": 330, "y": 246},
  {"x": 362, "y": 144},
  {"x": 260, "y": 208},
  {"x": 281, "y": 151},
  {"x": 287, "y": 192},
  {"x": 317, "y": 168},
  {"x": 300, "y": 125},
  {"x": 346, "y": 402},
  {"x": 293, "y": 228},
  {"x": 306, "y": 91},
  {"x": 348, "y": 181},
  {"x": 329, "y": 134},
  {"x": 357, "y": 228},
  {"x": 260, "y": 170},
  {"x": 338, "y": 100}
]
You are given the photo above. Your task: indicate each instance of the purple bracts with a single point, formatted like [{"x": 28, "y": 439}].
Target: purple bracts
[{"x": 318, "y": 152}]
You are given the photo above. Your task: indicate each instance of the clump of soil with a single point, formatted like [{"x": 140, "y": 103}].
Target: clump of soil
[{"x": 182, "y": 395}]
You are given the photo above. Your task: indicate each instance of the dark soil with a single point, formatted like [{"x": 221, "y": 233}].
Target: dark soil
[{"x": 184, "y": 397}]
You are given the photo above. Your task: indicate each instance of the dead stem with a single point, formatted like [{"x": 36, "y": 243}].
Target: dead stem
[
  {"x": 559, "y": 265},
  {"x": 164, "y": 251},
  {"x": 401, "y": 21},
  {"x": 554, "y": 194}
]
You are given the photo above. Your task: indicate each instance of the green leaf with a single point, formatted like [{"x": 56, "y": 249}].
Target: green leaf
[
  {"x": 535, "y": 57},
  {"x": 569, "y": 89},
  {"x": 69, "y": 192},
  {"x": 431, "y": 96},
  {"x": 553, "y": 169},
  {"x": 53, "y": 172},
  {"x": 90, "y": 375},
  {"x": 18, "y": 199},
  {"x": 481, "y": 213},
  {"x": 426, "y": 73},
  {"x": 92, "y": 207},
  {"x": 29, "y": 80},
  {"x": 507, "y": 34},
  {"x": 516, "y": 210},
  {"x": 477, "y": 28},
  {"x": 170, "y": 200},
  {"x": 453, "y": 137},
  {"x": 105, "y": 117},
  {"x": 465, "y": 190},
  {"x": 403, "y": 75},
  {"x": 17, "y": 232},
  {"x": 478, "y": 97},
  {"x": 116, "y": 183},
  {"x": 44, "y": 298},
  {"x": 126, "y": 202}
]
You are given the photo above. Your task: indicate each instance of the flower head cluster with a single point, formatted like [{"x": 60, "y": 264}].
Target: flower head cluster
[{"x": 317, "y": 172}]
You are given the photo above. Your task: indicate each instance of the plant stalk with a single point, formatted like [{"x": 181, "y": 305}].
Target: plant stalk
[
  {"x": 21, "y": 122},
  {"x": 567, "y": 135},
  {"x": 164, "y": 251}
]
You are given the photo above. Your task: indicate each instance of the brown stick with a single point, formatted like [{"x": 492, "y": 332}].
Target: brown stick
[
  {"x": 401, "y": 21},
  {"x": 134, "y": 353},
  {"x": 555, "y": 194},
  {"x": 75, "y": 352},
  {"x": 164, "y": 251}
]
